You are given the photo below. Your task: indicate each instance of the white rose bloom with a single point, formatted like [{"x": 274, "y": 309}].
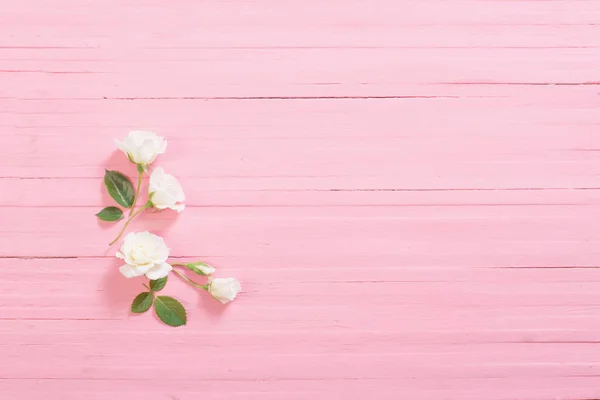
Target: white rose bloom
[
  {"x": 165, "y": 191},
  {"x": 224, "y": 289},
  {"x": 142, "y": 147},
  {"x": 144, "y": 253}
]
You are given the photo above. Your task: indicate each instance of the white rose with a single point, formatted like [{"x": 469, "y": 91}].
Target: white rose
[
  {"x": 144, "y": 253},
  {"x": 224, "y": 289},
  {"x": 142, "y": 147},
  {"x": 165, "y": 191}
]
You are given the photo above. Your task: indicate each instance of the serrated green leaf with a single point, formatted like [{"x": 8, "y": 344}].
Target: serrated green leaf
[
  {"x": 170, "y": 311},
  {"x": 119, "y": 187},
  {"x": 142, "y": 302},
  {"x": 158, "y": 284},
  {"x": 110, "y": 214}
]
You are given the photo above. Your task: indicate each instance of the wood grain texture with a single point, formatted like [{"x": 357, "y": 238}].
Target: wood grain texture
[{"x": 408, "y": 191}]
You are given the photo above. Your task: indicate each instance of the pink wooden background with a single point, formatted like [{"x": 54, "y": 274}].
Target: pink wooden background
[{"x": 409, "y": 192}]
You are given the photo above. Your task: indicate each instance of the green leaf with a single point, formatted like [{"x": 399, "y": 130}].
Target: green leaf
[
  {"x": 170, "y": 311},
  {"x": 142, "y": 302},
  {"x": 119, "y": 187},
  {"x": 158, "y": 284},
  {"x": 110, "y": 214}
]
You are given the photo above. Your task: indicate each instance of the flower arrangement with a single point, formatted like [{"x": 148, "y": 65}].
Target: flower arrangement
[{"x": 145, "y": 253}]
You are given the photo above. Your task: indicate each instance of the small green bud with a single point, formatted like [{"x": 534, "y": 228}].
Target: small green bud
[{"x": 200, "y": 268}]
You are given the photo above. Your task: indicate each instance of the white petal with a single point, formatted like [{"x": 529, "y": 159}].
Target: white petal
[
  {"x": 159, "y": 271},
  {"x": 129, "y": 271},
  {"x": 138, "y": 137},
  {"x": 162, "y": 199},
  {"x": 147, "y": 152},
  {"x": 144, "y": 268},
  {"x": 156, "y": 179},
  {"x": 178, "y": 207},
  {"x": 120, "y": 145},
  {"x": 163, "y": 146},
  {"x": 128, "y": 243},
  {"x": 206, "y": 269},
  {"x": 176, "y": 192}
]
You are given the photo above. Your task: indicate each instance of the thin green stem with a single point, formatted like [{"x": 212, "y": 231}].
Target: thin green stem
[
  {"x": 137, "y": 191},
  {"x": 178, "y": 264},
  {"x": 127, "y": 223},
  {"x": 188, "y": 280},
  {"x": 147, "y": 287}
]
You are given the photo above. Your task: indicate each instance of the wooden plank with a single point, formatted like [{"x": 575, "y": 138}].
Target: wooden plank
[
  {"x": 407, "y": 190},
  {"x": 324, "y": 73}
]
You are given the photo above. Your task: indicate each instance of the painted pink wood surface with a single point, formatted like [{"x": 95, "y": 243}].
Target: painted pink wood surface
[{"x": 409, "y": 192}]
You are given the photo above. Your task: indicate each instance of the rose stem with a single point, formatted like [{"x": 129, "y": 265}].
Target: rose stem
[
  {"x": 127, "y": 223},
  {"x": 137, "y": 192},
  {"x": 188, "y": 280}
]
